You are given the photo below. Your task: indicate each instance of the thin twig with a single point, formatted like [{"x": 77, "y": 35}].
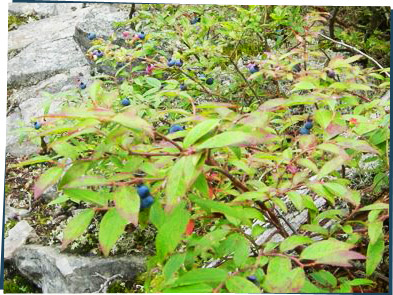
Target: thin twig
[
  {"x": 355, "y": 49},
  {"x": 169, "y": 140}
]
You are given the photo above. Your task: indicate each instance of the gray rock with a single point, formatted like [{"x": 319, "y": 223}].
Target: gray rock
[
  {"x": 13, "y": 213},
  {"x": 60, "y": 273},
  {"x": 17, "y": 237},
  {"x": 98, "y": 21},
  {"x": 40, "y": 61},
  {"x": 44, "y": 30},
  {"x": 42, "y": 10}
]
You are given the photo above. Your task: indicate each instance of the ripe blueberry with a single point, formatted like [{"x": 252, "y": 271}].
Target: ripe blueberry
[
  {"x": 141, "y": 35},
  {"x": 308, "y": 125},
  {"x": 37, "y": 125},
  {"x": 331, "y": 74},
  {"x": 195, "y": 20},
  {"x": 253, "y": 69},
  {"x": 209, "y": 81},
  {"x": 252, "y": 279},
  {"x": 82, "y": 85},
  {"x": 175, "y": 128},
  {"x": 125, "y": 102},
  {"x": 297, "y": 68},
  {"x": 143, "y": 191},
  {"x": 147, "y": 202},
  {"x": 99, "y": 53},
  {"x": 183, "y": 87},
  {"x": 304, "y": 131},
  {"x": 179, "y": 63},
  {"x": 171, "y": 63},
  {"x": 91, "y": 36}
]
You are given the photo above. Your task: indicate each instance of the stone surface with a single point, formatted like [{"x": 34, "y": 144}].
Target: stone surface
[
  {"x": 98, "y": 21},
  {"x": 17, "y": 236},
  {"x": 42, "y": 9},
  {"x": 44, "y": 30},
  {"x": 40, "y": 61},
  {"x": 61, "y": 273},
  {"x": 13, "y": 213}
]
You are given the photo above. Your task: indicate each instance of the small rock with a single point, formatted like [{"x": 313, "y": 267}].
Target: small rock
[{"x": 17, "y": 237}]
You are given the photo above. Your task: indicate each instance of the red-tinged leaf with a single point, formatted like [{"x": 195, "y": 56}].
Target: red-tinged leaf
[
  {"x": 175, "y": 185},
  {"x": 331, "y": 252},
  {"x": 241, "y": 285},
  {"x": 77, "y": 169},
  {"x": 111, "y": 228},
  {"x": 50, "y": 177},
  {"x": 87, "y": 196},
  {"x": 334, "y": 129},
  {"x": 190, "y": 227},
  {"x": 127, "y": 203},
  {"x": 77, "y": 225},
  {"x": 273, "y": 105}
]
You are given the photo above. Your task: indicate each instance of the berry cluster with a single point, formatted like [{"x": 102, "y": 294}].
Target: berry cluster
[{"x": 146, "y": 199}]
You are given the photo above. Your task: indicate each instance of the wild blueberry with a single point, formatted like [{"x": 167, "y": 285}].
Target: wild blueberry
[
  {"x": 297, "y": 68},
  {"x": 252, "y": 279},
  {"x": 125, "y": 102},
  {"x": 143, "y": 191},
  {"x": 183, "y": 87},
  {"x": 209, "y": 81},
  {"x": 91, "y": 36},
  {"x": 175, "y": 128},
  {"x": 308, "y": 125},
  {"x": 99, "y": 53},
  {"x": 82, "y": 85},
  {"x": 171, "y": 63},
  {"x": 304, "y": 131},
  {"x": 179, "y": 63},
  {"x": 195, "y": 20},
  {"x": 147, "y": 202},
  {"x": 37, "y": 125},
  {"x": 253, "y": 69},
  {"x": 141, "y": 35},
  {"x": 331, "y": 74}
]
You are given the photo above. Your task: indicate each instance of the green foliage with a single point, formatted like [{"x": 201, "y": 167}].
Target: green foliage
[{"x": 240, "y": 156}]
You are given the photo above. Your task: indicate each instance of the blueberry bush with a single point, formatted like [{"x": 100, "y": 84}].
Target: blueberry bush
[{"x": 214, "y": 125}]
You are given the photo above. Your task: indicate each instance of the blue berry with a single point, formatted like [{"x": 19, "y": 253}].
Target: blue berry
[
  {"x": 37, "y": 125},
  {"x": 179, "y": 63},
  {"x": 99, "y": 53},
  {"x": 254, "y": 69},
  {"x": 91, "y": 36},
  {"x": 175, "y": 128},
  {"x": 143, "y": 191},
  {"x": 252, "y": 279},
  {"x": 183, "y": 87},
  {"x": 304, "y": 131},
  {"x": 331, "y": 74},
  {"x": 125, "y": 102},
  {"x": 147, "y": 202},
  {"x": 308, "y": 125},
  {"x": 171, "y": 63},
  {"x": 141, "y": 35},
  {"x": 209, "y": 81},
  {"x": 195, "y": 20},
  {"x": 82, "y": 85}
]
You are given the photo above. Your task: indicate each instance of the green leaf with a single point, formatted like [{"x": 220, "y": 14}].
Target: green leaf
[
  {"x": 225, "y": 139},
  {"x": 374, "y": 255},
  {"x": 176, "y": 184},
  {"x": 202, "y": 185},
  {"x": 331, "y": 166},
  {"x": 315, "y": 228},
  {"x": 238, "y": 284},
  {"x": 304, "y": 85},
  {"x": 157, "y": 215},
  {"x": 197, "y": 288},
  {"x": 296, "y": 199},
  {"x": 32, "y": 161},
  {"x": 153, "y": 82},
  {"x": 127, "y": 203},
  {"x": 111, "y": 228},
  {"x": 308, "y": 164},
  {"x": 375, "y": 206},
  {"x": 130, "y": 120},
  {"x": 293, "y": 241},
  {"x": 171, "y": 232},
  {"x": 375, "y": 231},
  {"x": 360, "y": 282},
  {"x": 173, "y": 265},
  {"x": 242, "y": 251},
  {"x": 323, "y": 117},
  {"x": 77, "y": 225},
  {"x": 325, "y": 278},
  {"x": 59, "y": 200},
  {"x": 50, "y": 177},
  {"x": 344, "y": 193},
  {"x": 87, "y": 196},
  {"x": 202, "y": 275},
  {"x": 332, "y": 252},
  {"x": 200, "y": 130}
]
